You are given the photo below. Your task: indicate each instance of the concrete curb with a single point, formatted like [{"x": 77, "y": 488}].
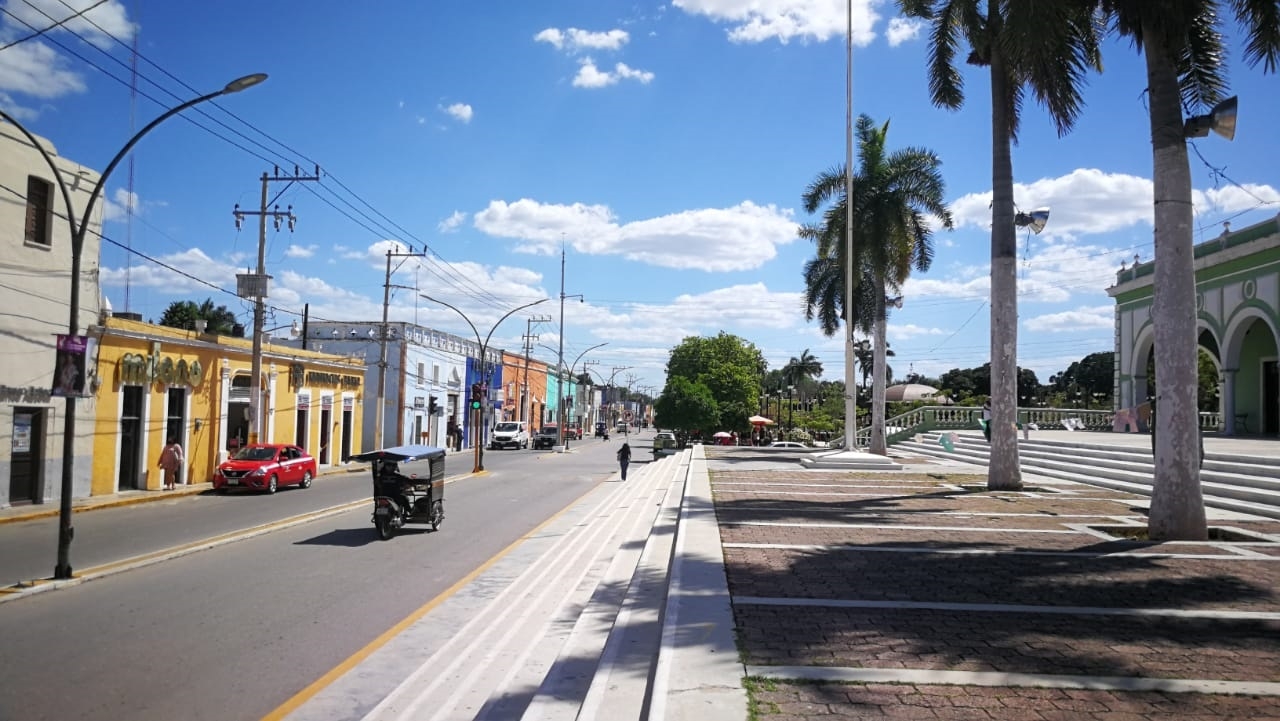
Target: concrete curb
[{"x": 699, "y": 674}]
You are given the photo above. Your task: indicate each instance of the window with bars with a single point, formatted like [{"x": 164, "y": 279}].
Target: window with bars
[{"x": 39, "y": 193}]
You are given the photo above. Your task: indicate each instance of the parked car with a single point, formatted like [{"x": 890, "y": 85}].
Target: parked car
[
  {"x": 665, "y": 443},
  {"x": 572, "y": 433},
  {"x": 509, "y": 434},
  {"x": 786, "y": 444},
  {"x": 265, "y": 467},
  {"x": 546, "y": 437}
]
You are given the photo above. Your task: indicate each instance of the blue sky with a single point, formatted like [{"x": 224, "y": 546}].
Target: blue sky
[{"x": 664, "y": 146}]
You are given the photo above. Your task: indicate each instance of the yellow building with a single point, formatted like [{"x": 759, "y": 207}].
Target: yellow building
[{"x": 153, "y": 382}]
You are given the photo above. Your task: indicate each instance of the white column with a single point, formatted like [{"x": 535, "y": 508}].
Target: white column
[{"x": 1229, "y": 401}]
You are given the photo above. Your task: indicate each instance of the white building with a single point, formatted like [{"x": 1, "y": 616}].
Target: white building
[
  {"x": 425, "y": 367},
  {"x": 35, "y": 291}
]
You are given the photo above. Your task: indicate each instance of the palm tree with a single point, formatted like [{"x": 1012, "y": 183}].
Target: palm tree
[
  {"x": 865, "y": 357},
  {"x": 1185, "y": 58},
  {"x": 802, "y": 369},
  {"x": 892, "y": 195},
  {"x": 1044, "y": 47}
]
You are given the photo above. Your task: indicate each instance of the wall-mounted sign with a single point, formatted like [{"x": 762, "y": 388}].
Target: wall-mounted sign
[
  {"x": 136, "y": 368},
  {"x": 22, "y": 432},
  {"x": 318, "y": 378}
]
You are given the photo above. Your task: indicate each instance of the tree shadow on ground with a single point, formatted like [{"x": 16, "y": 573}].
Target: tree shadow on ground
[{"x": 905, "y": 586}]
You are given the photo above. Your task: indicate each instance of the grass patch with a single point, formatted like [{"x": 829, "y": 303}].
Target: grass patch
[{"x": 756, "y": 707}]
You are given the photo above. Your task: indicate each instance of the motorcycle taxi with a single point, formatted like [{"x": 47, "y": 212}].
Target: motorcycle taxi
[{"x": 408, "y": 487}]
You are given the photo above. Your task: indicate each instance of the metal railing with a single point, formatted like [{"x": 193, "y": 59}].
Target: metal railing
[{"x": 933, "y": 418}]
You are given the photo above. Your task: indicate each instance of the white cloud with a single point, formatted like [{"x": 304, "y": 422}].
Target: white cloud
[
  {"x": 117, "y": 207},
  {"x": 906, "y": 331},
  {"x": 903, "y": 29},
  {"x": 574, "y": 40},
  {"x": 453, "y": 222},
  {"x": 754, "y": 21},
  {"x": 112, "y": 17},
  {"x": 1088, "y": 200},
  {"x": 460, "y": 112},
  {"x": 742, "y": 237},
  {"x": 1100, "y": 317},
  {"x": 300, "y": 251},
  {"x": 589, "y": 76}
]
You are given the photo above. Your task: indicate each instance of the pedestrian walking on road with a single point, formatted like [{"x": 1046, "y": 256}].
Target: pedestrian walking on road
[
  {"x": 624, "y": 458},
  {"x": 171, "y": 460}
]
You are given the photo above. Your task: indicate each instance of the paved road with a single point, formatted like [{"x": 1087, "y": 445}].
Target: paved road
[{"x": 232, "y": 632}]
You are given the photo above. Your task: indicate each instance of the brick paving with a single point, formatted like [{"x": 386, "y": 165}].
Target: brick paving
[
  {"x": 827, "y": 702},
  {"x": 962, "y": 549}
]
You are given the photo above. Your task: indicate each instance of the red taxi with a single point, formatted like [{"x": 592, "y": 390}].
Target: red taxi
[{"x": 265, "y": 467}]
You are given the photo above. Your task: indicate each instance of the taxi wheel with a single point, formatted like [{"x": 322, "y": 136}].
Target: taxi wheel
[{"x": 272, "y": 485}]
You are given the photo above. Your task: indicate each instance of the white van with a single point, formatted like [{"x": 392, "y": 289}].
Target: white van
[{"x": 509, "y": 434}]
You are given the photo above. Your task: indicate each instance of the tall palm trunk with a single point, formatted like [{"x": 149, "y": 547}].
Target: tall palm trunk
[
  {"x": 1004, "y": 470},
  {"x": 878, "y": 372},
  {"x": 1177, "y": 506}
]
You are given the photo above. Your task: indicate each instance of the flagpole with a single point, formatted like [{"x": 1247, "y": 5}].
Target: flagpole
[{"x": 850, "y": 388}]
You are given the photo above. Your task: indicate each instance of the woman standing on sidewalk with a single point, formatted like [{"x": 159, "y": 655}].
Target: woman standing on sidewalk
[
  {"x": 624, "y": 458},
  {"x": 171, "y": 462}
]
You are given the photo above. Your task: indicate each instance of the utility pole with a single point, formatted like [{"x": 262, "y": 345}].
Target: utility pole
[
  {"x": 379, "y": 421},
  {"x": 254, "y": 285},
  {"x": 529, "y": 338},
  {"x": 560, "y": 402}
]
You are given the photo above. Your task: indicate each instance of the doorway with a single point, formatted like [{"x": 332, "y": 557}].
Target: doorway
[
  {"x": 238, "y": 413},
  {"x": 26, "y": 457},
  {"x": 130, "y": 471},
  {"x": 301, "y": 421},
  {"x": 1270, "y": 398},
  {"x": 346, "y": 428},
  {"x": 326, "y": 430}
]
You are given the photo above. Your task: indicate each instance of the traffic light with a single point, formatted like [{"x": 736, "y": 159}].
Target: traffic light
[
  {"x": 431, "y": 406},
  {"x": 477, "y": 395}
]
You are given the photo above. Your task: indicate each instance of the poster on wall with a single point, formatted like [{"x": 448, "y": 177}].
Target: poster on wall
[
  {"x": 69, "y": 379},
  {"x": 22, "y": 432}
]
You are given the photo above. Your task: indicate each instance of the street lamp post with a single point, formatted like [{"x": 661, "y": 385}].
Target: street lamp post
[
  {"x": 484, "y": 376},
  {"x": 573, "y": 365},
  {"x": 78, "y": 231}
]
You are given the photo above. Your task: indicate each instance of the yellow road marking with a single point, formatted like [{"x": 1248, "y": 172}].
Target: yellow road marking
[{"x": 315, "y": 687}]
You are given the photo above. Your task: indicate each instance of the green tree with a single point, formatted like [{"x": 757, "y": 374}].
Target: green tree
[
  {"x": 686, "y": 406},
  {"x": 800, "y": 370},
  {"x": 184, "y": 313},
  {"x": 1182, "y": 43},
  {"x": 1043, "y": 47},
  {"x": 893, "y": 195},
  {"x": 729, "y": 367}
]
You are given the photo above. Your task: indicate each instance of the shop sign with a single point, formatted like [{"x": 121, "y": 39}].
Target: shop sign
[
  {"x": 136, "y": 368},
  {"x": 319, "y": 378}
]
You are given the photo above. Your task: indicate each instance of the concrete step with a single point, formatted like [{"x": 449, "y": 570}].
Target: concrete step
[{"x": 1125, "y": 469}]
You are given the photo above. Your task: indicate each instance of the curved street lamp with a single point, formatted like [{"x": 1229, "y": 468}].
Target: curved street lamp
[
  {"x": 78, "y": 231},
  {"x": 484, "y": 378}
]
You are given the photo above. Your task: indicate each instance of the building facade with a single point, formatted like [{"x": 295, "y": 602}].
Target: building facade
[
  {"x": 155, "y": 383},
  {"x": 1238, "y": 324},
  {"x": 36, "y": 241},
  {"x": 427, "y": 383}
]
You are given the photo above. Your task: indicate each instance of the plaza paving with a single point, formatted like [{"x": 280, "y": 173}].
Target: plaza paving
[{"x": 917, "y": 594}]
